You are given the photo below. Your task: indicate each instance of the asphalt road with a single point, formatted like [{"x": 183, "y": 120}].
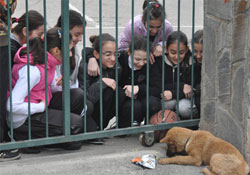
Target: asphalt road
[{"x": 113, "y": 158}]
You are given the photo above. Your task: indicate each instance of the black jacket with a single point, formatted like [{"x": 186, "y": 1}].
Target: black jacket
[
  {"x": 93, "y": 82},
  {"x": 170, "y": 77},
  {"x": 14, "y": 48},
  {"x": 126, "y": 77}
]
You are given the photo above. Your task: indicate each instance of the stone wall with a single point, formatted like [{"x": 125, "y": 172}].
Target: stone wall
[{"x": 226, "y": 72}]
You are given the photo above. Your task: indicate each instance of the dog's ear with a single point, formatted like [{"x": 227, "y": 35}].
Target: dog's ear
[{"x": 164, "y": 140}]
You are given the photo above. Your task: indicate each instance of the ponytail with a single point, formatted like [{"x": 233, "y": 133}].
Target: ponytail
[
  {"x": 155, "y": 11},
  {"x": 95, "y": 40},
  {"x": 35, "y": 21},
  {"x": 54, "y": 39}
]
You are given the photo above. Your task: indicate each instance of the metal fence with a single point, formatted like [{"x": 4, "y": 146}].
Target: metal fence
[{"x": 67, "y": 137}]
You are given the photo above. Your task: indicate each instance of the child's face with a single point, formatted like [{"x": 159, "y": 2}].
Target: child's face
[
  {"x": 57, "y": 53},
  {"x": 140, "y": 58},
  {"x": 37, "y": 33},
  {"x": 154, "y": 26},
  {"x": 108, "y": 55},
  {"x": 198, "y": 49},
  {"x": 172, "y": 52},
  {"x": 76, "y": 33}
]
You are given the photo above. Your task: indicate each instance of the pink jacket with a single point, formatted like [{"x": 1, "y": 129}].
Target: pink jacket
[
  {"x": 37, "y": 94},
  {"x": 139, "y": 29}
]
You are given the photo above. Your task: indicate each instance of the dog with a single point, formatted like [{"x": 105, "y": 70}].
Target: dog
[{"x": 202, "y": 147}]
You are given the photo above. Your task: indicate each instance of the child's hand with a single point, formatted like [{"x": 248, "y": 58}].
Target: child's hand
[
  {"x": 151, "y": 58},
  {"x": 187, "y": 90},
  {"x": 110, "y": 82},
  {"x": 59, "y": 81},
  {"x": 93, "y": 67},
  {"x": 158, "y": 51},
  {"x": 167, "y": 95},
  {"x": 128, "y": 90}
]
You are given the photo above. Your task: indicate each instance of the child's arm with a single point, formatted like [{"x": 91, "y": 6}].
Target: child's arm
[
  {"x": 20, "y": 91},
  {"x": 126, "y": 37}
]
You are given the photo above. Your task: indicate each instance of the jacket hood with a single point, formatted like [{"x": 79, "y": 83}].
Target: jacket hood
[{"x": 51, "y": 60}]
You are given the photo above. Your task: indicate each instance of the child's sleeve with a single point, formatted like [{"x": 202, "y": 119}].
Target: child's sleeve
[
  {"x": 126, "y": 37},
  {"x": 20, "y": 91}
]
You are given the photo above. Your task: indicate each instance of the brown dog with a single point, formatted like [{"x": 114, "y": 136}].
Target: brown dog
[{"x": 203, "y": 147}]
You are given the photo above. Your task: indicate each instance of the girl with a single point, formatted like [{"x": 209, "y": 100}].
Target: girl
[
  {"x": 18, "y": 35},
  {"x": 37, "y": 91},
  {"x": 156, "y": 16},
  {"x": 198, "y": 49},
  {"x": 170, "y": 83},
  {"x": 140, "y": 60},
  {"x": 108, "y": 81},
  {"x": 76, "y": 94}
]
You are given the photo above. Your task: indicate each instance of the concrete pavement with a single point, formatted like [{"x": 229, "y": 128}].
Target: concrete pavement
[{"x": 114, "y": 157}]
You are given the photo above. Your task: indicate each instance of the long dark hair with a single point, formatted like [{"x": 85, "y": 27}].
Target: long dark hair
[
  {"x": 54, "y": 39},
  {"x": 172, "y": 38},
  {"x": 155, "y": 11},
  {"x": 75, "y": 19},
  {"x": 198, "y": 37},
  {"x": 35, "y": 21},
  {"x": 95, "y": 40}
]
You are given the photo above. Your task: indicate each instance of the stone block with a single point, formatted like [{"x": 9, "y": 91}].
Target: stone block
[
  {"x": 229, "y": 130},
  {"x": 220, "y": 9},
  {"x": 210, "y": 54},
  {"x": 240, "y": 31},
  {"x": 238, "y": 93},
  {"x": 224, "y": 36},
  {"x": 208, "y": 112}
]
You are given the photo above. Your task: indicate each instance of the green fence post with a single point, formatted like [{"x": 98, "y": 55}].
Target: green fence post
[{"x": 65, "y": 48}]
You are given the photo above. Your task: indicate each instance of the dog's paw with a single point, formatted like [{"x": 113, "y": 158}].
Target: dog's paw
[{"x": 162, "y": 161}]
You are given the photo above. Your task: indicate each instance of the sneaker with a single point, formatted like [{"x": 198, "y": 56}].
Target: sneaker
[
  {"x": 72, "y": 145},
  {"x": 66, "y": 146},
  {"x": 96, "y": 141},
  {"x": 9, "y": 155},
  {"x": 136, "y": 123}
]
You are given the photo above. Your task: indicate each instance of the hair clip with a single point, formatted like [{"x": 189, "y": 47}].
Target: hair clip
[
  {"x": 59, "y": 33},
  {"x": 154, "y": 4},
  {"x": 42, "y": 39},
  {"x": 17, "y": 19}
]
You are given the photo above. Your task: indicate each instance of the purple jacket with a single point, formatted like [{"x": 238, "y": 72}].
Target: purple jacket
[{"x": 139, "y": 29}]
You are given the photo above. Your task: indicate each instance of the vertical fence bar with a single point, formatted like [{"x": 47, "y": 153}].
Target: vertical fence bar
[
  {"x": 10, "y": 83},
  {"x": 117, "y": 63},
  {"x": 192, "y": 77},
  {"x": 28, "y": 64},
  {"x": 66, "y": 70},
  {"x": 148, "y": 62},
  {"x": 132, "y": 61},
  {"x": 46, "y": 73},
  {"x": 163, "y": 61},
  {"x": 84, "y": 66},
  {"x": 178, "y": 62},
  {"x": 100, "y": 35}
]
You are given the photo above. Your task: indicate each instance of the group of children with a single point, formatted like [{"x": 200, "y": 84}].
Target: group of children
[{"x": 131, "y": 55}]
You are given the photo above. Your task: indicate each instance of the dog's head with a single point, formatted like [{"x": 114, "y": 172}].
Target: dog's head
[{"x": 176, "y": 140}]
